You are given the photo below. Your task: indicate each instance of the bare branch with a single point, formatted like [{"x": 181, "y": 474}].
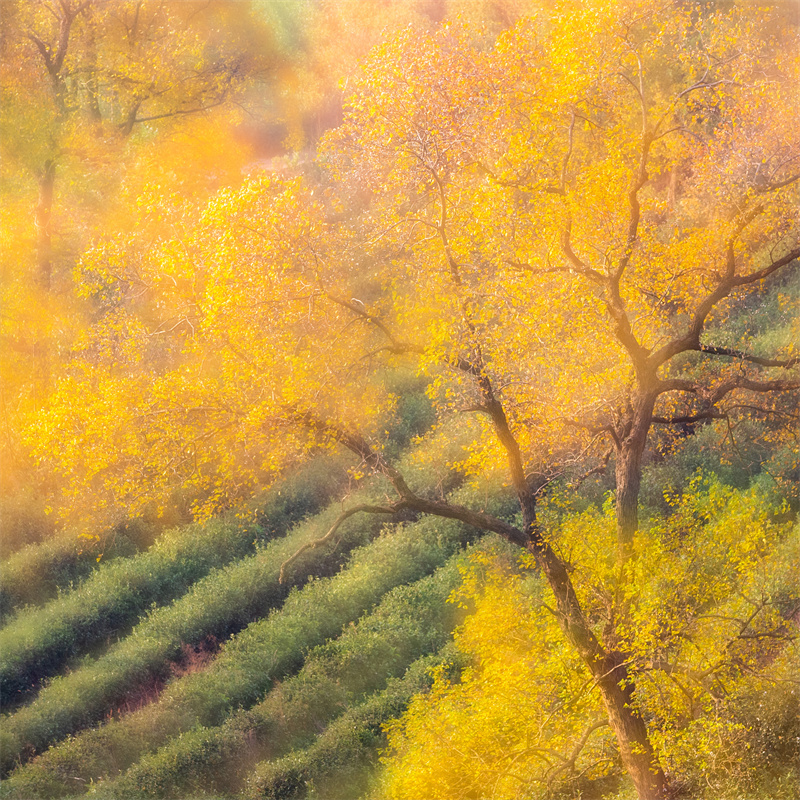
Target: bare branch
[
  {"x": 759, "y": 275},
  {"x": 596, "y": 430},
  {"x": 743, "y": 382},
  {"x": 600, "y": 469},
  {"x": 763, "y": 362},
  {"x": 691, "y": 339},
  {"x": 409, "y": 499},
  {"x": 687, "y": 419},
  {"x": 343, "y": 517},
  {"x": 176, "y": 112},
  {"x": 772, "y": 187}
]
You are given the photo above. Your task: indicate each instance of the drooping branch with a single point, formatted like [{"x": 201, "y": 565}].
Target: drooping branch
[
  {"x": 343, "y": 517},
  {"x": 360, "y": 310},
  {"x": 409, "y": 499}
]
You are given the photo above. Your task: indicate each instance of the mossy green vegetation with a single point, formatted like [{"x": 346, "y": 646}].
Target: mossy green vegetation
[{"x": 37, "y": 642}]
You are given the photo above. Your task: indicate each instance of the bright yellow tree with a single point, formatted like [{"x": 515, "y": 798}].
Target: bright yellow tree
[{"x": 559, "y": 231}]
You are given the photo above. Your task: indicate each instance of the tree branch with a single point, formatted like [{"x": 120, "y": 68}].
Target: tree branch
[
  {"x": 743, "y": 382},
  {"x": 600, "y": 469},
  {"x": 759, "y": 275},
  {"x": 409, "y": 499},
  {"x": 772, "y": 187},
  {"x": 687, "y": 419},
  {"x": 729, "y": 351},
  {"x": 691, "y": 339},
  {"x": 343, "y": 517}
]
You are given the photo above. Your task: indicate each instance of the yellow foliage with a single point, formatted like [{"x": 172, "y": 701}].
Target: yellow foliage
[{"x": 511, "y": 727}]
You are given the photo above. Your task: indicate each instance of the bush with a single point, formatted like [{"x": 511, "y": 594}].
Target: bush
[
  {"x": 411, "y": 621},
  {"x": 246, "y": 668},
  {"x": 38, "y": 642},
  {"x": 219, "y": 604},
  {"x": 35, "y": 574},
  {"x": 343, "y": 760}
]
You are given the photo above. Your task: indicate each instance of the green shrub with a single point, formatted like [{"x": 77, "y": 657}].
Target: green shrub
[
  {"x": 411, "y": 621},
  {"x": 36, "y": 573},
  {"x": 37, "y": 642},
  {"x": 342, "y": 761},
  {"x": 219, "y": 604},
  {"x": 249, "y": 663}
]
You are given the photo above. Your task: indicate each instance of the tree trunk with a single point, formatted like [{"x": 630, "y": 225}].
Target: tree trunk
[
  {"x": 611, "y": 675},
  {"x": 44, "y": 212},
  {"x": 638, "y": 758},
  {"x": 628, "y": 471},
  {"x": 613, "y": 679}
]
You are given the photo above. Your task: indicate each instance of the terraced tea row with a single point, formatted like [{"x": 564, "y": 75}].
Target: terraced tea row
[
  {"x": 247, "y": 666},
  {"x": 411, "y": 622},
  {"x": 39, "y": 641}
]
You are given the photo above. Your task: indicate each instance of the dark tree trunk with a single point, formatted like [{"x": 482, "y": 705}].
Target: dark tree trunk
[
  {"x": 609, "y": 671},
  {"x": 638, "y": 758},
  {"x": 630, "y": 449}
]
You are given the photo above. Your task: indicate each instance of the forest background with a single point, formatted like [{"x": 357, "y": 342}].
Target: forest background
[{"x": 399, "y": 399}]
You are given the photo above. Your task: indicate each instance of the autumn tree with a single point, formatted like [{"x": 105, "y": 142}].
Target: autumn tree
[
  {"x": 560, "y": 232},
  {"x": 625, "y": 168},
  {"x": 101, "y": 100}
]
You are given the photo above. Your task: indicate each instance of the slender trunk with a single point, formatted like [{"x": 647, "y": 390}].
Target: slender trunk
[
  {"x": 609, "y": 671},
  {"x": 613, "y": 679},
  {"x": 640, "y": 762},
  {"x": 44, "y": 212},
  {"x": 628, "y": 471},
  {"x": 92, "y": 84}
]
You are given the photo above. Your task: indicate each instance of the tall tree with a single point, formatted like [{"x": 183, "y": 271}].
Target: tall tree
[{"x": 559, "y": 231}]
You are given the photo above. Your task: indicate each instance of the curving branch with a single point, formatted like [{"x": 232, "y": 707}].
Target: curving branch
[
  {"x": 373, "y": 460},
  {"x": 725, "y": 387},
  {"x": 690, "y": 340},
  {"x": 343, "y": 517},
  {"x": 360, "y": 310},
  {"x": 773, "y": 187}
]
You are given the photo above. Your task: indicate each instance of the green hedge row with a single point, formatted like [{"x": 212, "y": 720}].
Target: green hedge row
[
  {"x": 342, "y": 763},
  {"x": 269, "y": 649},
  {"x": 410, "y": 622},
  {"x": 221, "y": 603},
  {"x": 38, "y": 641},
  {"x": 34, "y": 575}
]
